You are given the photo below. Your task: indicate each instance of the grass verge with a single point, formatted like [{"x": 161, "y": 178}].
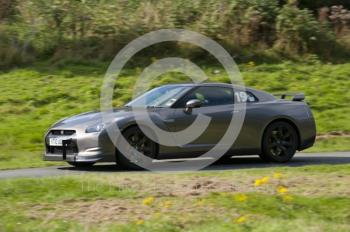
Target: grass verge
[{"x": 270, "y": 199}]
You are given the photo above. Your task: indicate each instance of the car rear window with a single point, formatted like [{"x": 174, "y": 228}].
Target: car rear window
[{"x": 245, "y": 97}]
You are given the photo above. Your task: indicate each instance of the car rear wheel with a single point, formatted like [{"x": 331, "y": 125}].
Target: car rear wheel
[
  {"x": 81, "y": 164},
  {"x": 139, "y": 141},
  {"x": 280, "y": 142}
]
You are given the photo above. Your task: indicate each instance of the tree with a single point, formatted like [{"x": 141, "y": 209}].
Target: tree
[
  {"x": 7, "y": 8},
  {"x": 297, "y": 29},
  {"x": 315, "y": 5}
]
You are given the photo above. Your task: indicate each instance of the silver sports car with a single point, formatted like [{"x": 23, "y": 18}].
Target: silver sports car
[{"x": 274, "y": 128}]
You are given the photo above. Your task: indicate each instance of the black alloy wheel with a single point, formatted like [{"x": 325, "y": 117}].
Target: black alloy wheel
[
  {"x": 280, "y": 142},
  {"x": 139, "y": 141}
]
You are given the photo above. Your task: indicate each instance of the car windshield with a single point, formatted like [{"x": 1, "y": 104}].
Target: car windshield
[{"x": 159, "y": 97}]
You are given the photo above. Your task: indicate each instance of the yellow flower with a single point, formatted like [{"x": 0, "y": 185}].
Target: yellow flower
[
  {"x": 287, "y": 198},
  {"x": 148, "y": 201},
  {"x": 265, "y": 180},
  {"x": 282, "y": 190},
  {"x": 167, "y": 204},
  {"x": 241, "y": 197},
  {"x": 139, "y": 222},
  {"x": 261, "y": 181},
  {"x": 277, "y": 175},
  {"x": 241, "y": 219},
  {"x": 257, "y": 182}
]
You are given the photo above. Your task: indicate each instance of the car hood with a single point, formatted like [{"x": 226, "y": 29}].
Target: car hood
[{"x": 90, "y": 118}]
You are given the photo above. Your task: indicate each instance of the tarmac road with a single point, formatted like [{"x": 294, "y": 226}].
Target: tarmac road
[{"x": 241, "y": 162}]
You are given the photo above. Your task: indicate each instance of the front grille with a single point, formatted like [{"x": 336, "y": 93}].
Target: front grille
[
  {"x": 59, "y": 150},
  {"x": 62, "y": 132},
  {"x": 70, "y": 149}
]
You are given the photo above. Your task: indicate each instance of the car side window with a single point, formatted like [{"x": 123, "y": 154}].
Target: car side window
[
  {"x": 209, "y": 96},
  {"x": 245, "y": 97}
]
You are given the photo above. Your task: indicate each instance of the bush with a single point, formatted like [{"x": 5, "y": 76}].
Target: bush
[
  {"x": 98, "y": 29},
  {"x": 14, "y": 46},
  {"x": 253, "y": 21},
  {"x": 296, "y": 30}
]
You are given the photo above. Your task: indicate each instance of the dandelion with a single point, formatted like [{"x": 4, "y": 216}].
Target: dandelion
[
  {"x": 148, "y": 201},
  {"x": 282, "y": 190},
  {"x": 167, "y": 204},
  {"x": 261, "y": 181},
  {"x": 140, "y": 222},
  {"x": 277, "y": 175},
  {"x": 241, "y": 197},
  {"x": 265, "y": 180},
  {"x": 241, "y": 219}
]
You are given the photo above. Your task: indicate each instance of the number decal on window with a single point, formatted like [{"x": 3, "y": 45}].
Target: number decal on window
[{"x": 243, "y": 97}]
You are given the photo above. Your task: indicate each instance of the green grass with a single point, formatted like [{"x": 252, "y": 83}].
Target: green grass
[
  {"x": 303, "y": 214},
  {"x": 31, "y": 99},
  {"x": 331, "y": 144},
  {"x": 18, "y": 196},
  {"x": 90, "y": 202},
  {"x": 58, "y": 189}
]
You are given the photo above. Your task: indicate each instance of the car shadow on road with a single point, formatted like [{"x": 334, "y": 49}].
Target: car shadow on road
[{"x": 236, "y": 163}]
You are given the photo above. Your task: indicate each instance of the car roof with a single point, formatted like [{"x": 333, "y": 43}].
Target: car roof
[
  {"x": 207, "y": 84},
  {"x": 261, "y": 95}
]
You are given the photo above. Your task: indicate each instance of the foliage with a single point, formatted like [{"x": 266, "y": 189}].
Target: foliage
[
  {"x": 296, "y": 30},
  {"x": 315, "y": 5},
  {"x": 97, "y": 29},
  {"x": 253, "y": 22}
]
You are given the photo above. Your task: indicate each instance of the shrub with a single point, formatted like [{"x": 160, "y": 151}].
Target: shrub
[
  {"x": 298, "y": 32},
  {"x": 98, "y": 29}
]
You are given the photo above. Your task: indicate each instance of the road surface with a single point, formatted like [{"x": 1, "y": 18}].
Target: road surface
[{"x": 242, "y": 162}]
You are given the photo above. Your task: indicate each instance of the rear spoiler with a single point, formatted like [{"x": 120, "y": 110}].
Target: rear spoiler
[{"x": 295, "y": 96}]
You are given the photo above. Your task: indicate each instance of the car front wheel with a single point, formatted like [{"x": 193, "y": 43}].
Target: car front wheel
[
  {"x": 139, "y": 141},
  {"x": 280, "y": 142}
]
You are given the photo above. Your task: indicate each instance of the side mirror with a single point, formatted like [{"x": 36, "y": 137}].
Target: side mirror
[{"x": 194, "y": 103}]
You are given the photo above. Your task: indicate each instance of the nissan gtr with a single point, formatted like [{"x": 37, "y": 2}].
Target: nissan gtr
[{"x": 273, "y": 128}]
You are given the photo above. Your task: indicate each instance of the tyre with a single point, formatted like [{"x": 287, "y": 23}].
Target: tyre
[
  {"x": 81, "y": 164},
  {"x": 280, "y": 142},
  {"x": 139, "y": 141}
]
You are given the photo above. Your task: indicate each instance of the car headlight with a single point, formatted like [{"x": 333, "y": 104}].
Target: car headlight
[{"x": 95, "y": 128}]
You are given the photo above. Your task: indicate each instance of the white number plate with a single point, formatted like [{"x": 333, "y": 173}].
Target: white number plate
[{"x": 57, "y": 141}]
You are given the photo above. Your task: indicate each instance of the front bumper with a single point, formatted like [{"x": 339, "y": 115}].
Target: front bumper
[
  {"x": 78, "y": 147},
  {"x": 73, "y": 157}
]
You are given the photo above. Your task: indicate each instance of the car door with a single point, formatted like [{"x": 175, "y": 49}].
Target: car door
[{"x": 217, "y": 103}]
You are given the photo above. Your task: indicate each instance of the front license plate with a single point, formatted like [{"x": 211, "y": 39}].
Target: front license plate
[{"x": 56, "y": 141}]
